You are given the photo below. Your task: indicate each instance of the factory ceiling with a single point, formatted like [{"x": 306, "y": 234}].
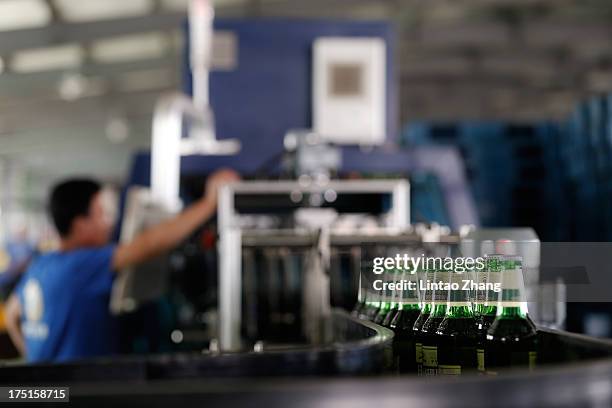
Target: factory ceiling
[{"x": 87, "y": 72}]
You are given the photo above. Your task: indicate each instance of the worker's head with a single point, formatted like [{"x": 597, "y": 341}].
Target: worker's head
[{"x": 78, "y": 212}]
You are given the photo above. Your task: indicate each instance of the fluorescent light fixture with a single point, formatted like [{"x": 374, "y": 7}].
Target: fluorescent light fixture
[
  {"x": 89, "y": 10},
  {"x": 130, "y": 48},
  {"x": 20, "y": 14},
  {"x": 183, "y": 5},
  {"x": 46, "y": 59}
]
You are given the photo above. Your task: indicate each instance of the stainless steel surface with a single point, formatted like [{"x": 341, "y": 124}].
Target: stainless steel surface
[
  {"x": 292, "y": 237},
  {"x": 168, "y": 143},
  {"x": 231, "y": 236}
]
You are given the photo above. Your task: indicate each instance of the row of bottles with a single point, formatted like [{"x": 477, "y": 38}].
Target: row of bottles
[{"x": 447, "y": 330}]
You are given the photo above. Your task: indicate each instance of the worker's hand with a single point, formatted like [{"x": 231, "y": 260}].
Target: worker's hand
[{"x": 215, "y": 181}]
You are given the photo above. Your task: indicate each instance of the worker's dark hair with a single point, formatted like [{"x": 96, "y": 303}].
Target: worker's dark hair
[{"x": 70, "y": 199}]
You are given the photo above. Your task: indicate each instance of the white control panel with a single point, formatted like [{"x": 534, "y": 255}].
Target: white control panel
[{"x": 349, "y": 90}]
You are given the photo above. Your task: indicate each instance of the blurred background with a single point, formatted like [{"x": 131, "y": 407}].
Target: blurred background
[
  {"x": 506, "y": 83},
  {"x": 496, "y": 112}
]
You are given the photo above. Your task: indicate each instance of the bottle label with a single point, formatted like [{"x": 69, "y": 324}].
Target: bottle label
[
  {"x": 419, "y": 353},
  {"x": 480, "y": 359},
  {"x": 533, "y": 356},
  {"x": 449, "y": 369},
  {"x": 430, "y": 360}
]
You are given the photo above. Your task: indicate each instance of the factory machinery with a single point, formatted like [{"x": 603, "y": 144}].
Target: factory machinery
[
  {"x": 290, "y": 261},
  {"x": 291, "y": 254}
]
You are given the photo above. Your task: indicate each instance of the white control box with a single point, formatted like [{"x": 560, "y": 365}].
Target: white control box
[{"x": 349, "y": 90}]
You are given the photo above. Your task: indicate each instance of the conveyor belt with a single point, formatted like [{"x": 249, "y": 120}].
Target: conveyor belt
[{"x": 346, "y": 373}]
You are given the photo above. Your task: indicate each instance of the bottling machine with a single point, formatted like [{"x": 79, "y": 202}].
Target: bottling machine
[{"x": 290, "y": 253}]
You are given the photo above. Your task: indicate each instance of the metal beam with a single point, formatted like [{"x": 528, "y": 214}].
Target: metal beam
[
  {"x": 46, "y": 114},
  {"x": 61, "y": 32},
  {"x": 25, "y": 84}
]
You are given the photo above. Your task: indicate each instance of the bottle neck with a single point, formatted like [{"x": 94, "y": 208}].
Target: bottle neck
[
  {"x": 489, "y": 311},
  {"x": 426, "y": 308},
  {"x": 373, "y": 297},
  {"x": 408, "y": 298},
  {"x": 516, "y": 311},
  {"x": 386, "y": 295},
  {"x": 459, "y": 311},
  {"x": 512, "y": 300},
  {"x": 439, "y": 310},
  {"x": 409, "y": 306},
  {"x": 361, "y": 292},
  {"x": 439, "y": 293},
  {"x": 459, "y": 304},
  {"x": 495, "y": 267},
  {"x": 480, "y": 309}
]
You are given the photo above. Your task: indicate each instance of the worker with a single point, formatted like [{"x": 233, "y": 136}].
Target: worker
[{"x": 59, "y": 311}]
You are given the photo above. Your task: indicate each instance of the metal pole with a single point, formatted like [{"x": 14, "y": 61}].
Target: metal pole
[{"x": 230, "y": 273}]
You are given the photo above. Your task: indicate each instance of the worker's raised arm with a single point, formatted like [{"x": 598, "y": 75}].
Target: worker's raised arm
[
  {"x": 12, "y": 316},
  {"x": 168, "y": 234}
]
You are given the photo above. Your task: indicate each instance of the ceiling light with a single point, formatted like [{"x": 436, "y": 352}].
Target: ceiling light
[
  {"x": 49, "y": 58},
  {"x": 20, "y": 14},
  {"x": 183, "y": 5},
  {"x": 89, "y": 10},
  {"x": 130, "y": 48}
]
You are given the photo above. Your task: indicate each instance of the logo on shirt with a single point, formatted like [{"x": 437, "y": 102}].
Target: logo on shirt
[
  {"x": 33, "y": 309},
  {"x": 5, "y": 260}
]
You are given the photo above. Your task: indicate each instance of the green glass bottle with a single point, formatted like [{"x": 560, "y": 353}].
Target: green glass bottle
[
  {"x": 457, "y": 335},
  {"x": 426, "y": 307},
  {"x": 400, "y": 275},
  {"x": 372, "y": 302},
  {"x": 512, "y": 339},
  {"x": 427, "y": 335},
  {"x": 387, "y": 299},
  {"x": 359, "y": 308},
  {"x": 480, "y": 295},
  {"x": 486, "y": 311},
  {"x": 391, "y": 315},
  {"x": 402, "y": 323}
]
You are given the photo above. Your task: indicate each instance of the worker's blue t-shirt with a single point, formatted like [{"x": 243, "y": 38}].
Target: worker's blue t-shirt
[{"x": 64, "y": 299}]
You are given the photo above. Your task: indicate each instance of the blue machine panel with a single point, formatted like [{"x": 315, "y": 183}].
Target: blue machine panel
[{"x": 269, "y": 92}]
